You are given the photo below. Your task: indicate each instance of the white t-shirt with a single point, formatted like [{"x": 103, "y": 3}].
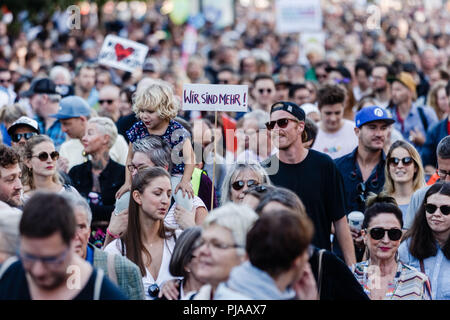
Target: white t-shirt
[
  {"x": 170, "y": 221},
  {"x": 339, "y": 143},
  {"x": 115, "y": 247}
]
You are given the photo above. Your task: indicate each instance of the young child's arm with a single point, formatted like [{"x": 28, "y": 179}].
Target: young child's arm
[
  {"x": 189, "y": 163},
  {"x": 127, "y": 185}
]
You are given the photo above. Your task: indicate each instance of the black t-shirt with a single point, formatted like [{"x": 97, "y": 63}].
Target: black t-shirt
[
  {"x": 319, "y": 185},
  {"x": 338, "y": 282},
  {"x": 14, "y": 286}
]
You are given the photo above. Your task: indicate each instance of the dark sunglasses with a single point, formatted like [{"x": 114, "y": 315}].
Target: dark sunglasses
[
  {"x": 5, "y": 80},
  {"x": 378, "y": 233},
  {"x": 431, "y": 209},
  {"x": 395, "y": 161},
  {"x": 282, "y": 123},
  {"x": 43, "y": 156},
  {"x": 238, "y": 185},
  {"x": 261, "y": 91},
  {"x": 224, "y": 81},
  {"x": 153, "y": 290},
  {"x": 108, "y": 101},
  {"x": 17, "y": 136},
  {"x": 362, "y": 193}
]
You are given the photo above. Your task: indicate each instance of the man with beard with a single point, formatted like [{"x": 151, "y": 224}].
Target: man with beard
[
  {"x": 363, "y": 168},
  {"x": 312, "y": 175},
  {"x": 10, "y": 174},
  {"x": 380, "y": 85},
  {"x": 48, "y": 267}
]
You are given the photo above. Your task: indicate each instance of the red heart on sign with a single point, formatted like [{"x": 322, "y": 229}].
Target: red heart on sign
[{"x": 121, "y": 52}]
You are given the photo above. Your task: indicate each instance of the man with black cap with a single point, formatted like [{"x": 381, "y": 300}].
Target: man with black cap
[
  {"x": 312, "y": 175},
  {"x": 363, "y": 168},
  {"x": 21, "y": 130},
  {"x": 74, "y": 112},
  {"x": 44, "y": 101}
]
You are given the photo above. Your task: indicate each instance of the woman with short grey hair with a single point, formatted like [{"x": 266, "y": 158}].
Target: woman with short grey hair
[{"x": 240, "y": 177}]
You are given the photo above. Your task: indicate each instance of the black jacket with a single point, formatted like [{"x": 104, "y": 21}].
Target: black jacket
[{"x": 111, "y": 179}]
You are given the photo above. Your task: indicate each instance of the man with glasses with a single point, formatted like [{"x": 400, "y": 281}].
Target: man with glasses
[
  {"x": 21, "y": 131},
  {"x": 47, "y": 267},
  {"x": 443, "y": 171},
  {"x": 109, "y": 101},
  {"x": 227, "y": 75},
  {"x": 312, "y": 175},
  {"x": 363, "y": 168},
  {"x": 264, "y": 92}
]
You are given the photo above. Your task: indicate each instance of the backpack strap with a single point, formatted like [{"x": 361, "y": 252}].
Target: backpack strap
[
  {"x": 427, "y": 283},
  {"x": 5, "y": 266},
  {"x": 111, "y": 268},
  {"x": 320, "y": 271},
  {"x": 98, "y": 284},
  {"x": 423, "y": 118}
]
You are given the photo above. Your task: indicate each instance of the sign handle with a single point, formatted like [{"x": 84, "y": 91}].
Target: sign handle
[{"x": 214, "y": 163}]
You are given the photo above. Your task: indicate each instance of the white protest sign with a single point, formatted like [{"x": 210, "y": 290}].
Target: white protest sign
[
  {"x": 295, "y": 16},
  {"x": 122, "y": 53},
  {"x": 215, "y": 97}
]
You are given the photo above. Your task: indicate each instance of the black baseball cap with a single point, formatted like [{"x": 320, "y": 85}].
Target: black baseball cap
[{"x": 42, "y": 85}]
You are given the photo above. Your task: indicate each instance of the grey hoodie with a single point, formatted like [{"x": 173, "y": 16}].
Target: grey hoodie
[{"x": 247, "y": 282}]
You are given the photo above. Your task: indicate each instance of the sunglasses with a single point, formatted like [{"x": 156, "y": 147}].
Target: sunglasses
[
  {"x": 378, "y": 233},
  {"x": 282, "y": 123},
  {"x": 5, "y": 80},
  {"x": 238, "y": 185},
  {"x": 224, "y": 81},
  {"x": 43, "y": 156},
  {"x": 153, "y": 290},
  {"x": 108, "y": 101},
  {"x": 17, "y": 136},
  {"x": 431, "y": 209},
  {"x": 261, "y": 91},
  {"x": 395, "y": 161}
]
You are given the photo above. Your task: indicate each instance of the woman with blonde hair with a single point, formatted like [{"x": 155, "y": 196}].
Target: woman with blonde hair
[
  {"x": 438, "y": 100},
  {"x": 404, "y": 173},
  {"x": 39, "y": 170}
]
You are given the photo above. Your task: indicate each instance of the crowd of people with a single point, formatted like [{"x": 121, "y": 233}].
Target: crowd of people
[{"x": 335, "y": 184}]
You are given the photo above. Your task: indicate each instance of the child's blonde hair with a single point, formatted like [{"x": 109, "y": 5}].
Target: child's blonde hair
[{"x": 157, "y": 96}]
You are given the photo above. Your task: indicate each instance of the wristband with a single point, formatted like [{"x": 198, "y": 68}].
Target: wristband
[{"x": 111, "y": 234}]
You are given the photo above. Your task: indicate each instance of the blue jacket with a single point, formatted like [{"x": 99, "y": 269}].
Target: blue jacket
[{"x": 434, "y": 134}]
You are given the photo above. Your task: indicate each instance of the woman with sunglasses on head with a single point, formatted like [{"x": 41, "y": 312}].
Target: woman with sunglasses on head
[
  {"x": 426, "y": 245},
  {"x": 404, "y": 173},
  {"x": 383, "y": 276},
  {"x": 99, "y": 178},
  {"x": 147, "y": 241},
  {"x": 39, "y": 169},
  {"x": 239, "y": 178}
]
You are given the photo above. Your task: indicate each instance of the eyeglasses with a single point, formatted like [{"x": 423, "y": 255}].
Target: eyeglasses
[
  {"x": 132, "y": 167},
  {"x": 214, "y": 244},
  {"x": 238, "y": 185},
  {"x": 407, "y": 161},
  {"x": 261, "y": 91},
  {"x": 431, "y": 209},
  {"x": 153, "y": 290},
  {"x": 53, "y": 261},
  {"x": 282, "y": 123},
  {"x": 17, "y": 136},
  {"x": 224, "y": 81},
  {"x": 442, "y": 173},
  {"x": 108, "y": 101},
  {"x": 394, "y": 234},
  {"x": 43, "y": 156}
]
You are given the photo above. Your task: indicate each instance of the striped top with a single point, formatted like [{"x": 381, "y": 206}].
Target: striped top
[{"x": 408, "y": 283}]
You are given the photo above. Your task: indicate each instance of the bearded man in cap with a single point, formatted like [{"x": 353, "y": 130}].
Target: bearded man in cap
[{"x": 312, "y": 175}]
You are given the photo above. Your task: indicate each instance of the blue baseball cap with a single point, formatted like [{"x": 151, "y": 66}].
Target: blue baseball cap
[
  {"x": 372, "y": 113},
  {"x": 72, "y": 107}
]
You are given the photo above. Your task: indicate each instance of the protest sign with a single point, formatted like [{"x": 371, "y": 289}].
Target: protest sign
[
  {"x": 215, "y": 97},
  {"x": 293, "y": 16},
  {"x": 122, "y": 53}
]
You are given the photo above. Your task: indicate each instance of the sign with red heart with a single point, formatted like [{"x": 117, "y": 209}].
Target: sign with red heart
[{"x": 122, "y": 53}]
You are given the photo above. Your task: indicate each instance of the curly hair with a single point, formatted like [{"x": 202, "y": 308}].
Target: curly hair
[
  {"x": 157, "y": 96},
  {"x": 8, "y": 156}
]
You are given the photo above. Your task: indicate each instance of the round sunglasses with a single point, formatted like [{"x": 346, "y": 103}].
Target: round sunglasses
[
  {"x": 431, "y": 209},
  {"x": 17, "y": 136},
  {"x": 378, "y": 233},
  {"x": 238, "y": 185},
  {"x": 43, "y": 156},
  {"x": 395, "y": 161}
]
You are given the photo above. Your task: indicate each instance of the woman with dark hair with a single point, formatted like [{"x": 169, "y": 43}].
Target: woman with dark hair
[
  {"x": 427, "y": 242},
  {"x": 147, "y": 241},
  {"x": 383, "y": 276}
]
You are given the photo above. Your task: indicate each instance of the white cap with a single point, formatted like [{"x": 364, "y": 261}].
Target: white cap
[{"x": 309, "y": 107}]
